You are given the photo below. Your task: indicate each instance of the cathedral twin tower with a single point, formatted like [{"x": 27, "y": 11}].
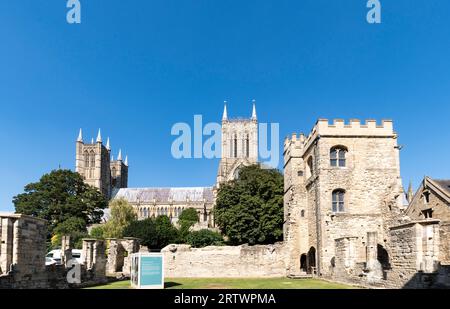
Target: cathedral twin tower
[{"x": 95, "y": 163}]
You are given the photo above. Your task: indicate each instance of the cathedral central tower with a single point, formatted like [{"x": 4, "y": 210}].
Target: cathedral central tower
[{"x": 239, "y": 145}]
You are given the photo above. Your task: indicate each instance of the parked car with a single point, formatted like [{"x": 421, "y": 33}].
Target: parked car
[
  {"x": 49, "y": 261},
  {"x": 55, "y": 255}
]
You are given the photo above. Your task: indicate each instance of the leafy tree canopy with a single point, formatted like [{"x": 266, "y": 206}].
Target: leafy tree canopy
[
  {"x": 186, "y": 220},
  {"x": 203, "y": 238},
  {"x": 154, "y": 233},
  {"x": 98, "y": 232},
  {"x": 250, "y": 208},
  {"x": 166, "y": 233},
  {"x": 122, "y": 215},
  {"x": 60, "y": 196}
]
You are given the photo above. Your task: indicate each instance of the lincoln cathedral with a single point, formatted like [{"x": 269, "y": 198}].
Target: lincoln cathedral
[{"x": 95, "y": 162}]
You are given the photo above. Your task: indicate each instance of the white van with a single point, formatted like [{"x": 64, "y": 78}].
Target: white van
[{"x": 55, "y": 255}]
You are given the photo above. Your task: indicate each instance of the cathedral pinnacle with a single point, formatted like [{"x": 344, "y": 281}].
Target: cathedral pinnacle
[
  {"x": 99, "y": 136},
  {"x": 80, "y": 136},
  {"x": 119, "y": 157},
  {"x": 254, "y": 110},
  {"x": 126, "y": 160},
  {"x": 225, "y": 115},
  {"x": 107, "y": 144},
  {"x": 410, "y": 193}
]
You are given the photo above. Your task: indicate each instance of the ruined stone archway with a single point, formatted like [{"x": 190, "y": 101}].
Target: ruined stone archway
[
  {"x": 303, "y": 263},
  {"x": 311, "y": 261},
  {"x": 383, "y": 257}
]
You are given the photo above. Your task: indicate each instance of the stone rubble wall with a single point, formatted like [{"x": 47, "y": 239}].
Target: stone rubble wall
[
  {"x": 119, "y": 252},
  {"x": 22, "y": 257},
  {"x": 444, "y": 246},
  {"x": 413, "y": 250},
  {"x": 225, "y": 262}
]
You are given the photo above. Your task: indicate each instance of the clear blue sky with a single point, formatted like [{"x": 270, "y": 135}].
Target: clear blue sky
[{"x": 134, "y": 68}]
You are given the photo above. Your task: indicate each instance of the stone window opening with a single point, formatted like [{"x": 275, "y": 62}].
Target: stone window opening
[
  {"x": 338, "y": 156},
  {"x": 86, "y": 159},
  {"x": 300, "y": 173},
  {"x": 302, "y": 213},
  {"x": 92, "y": 159},
  {"x": 338, "y": 200},
  {"x": 310, "y": 167},
  {"x": 426, "y": 196},
  {"x": 428, "y": 213}
]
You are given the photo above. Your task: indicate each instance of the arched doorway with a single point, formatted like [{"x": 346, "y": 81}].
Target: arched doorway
[
  {"x": 311, "y": 260},
  {"x": 383, "y": 259},
  {"x": 303, "y": 263}
]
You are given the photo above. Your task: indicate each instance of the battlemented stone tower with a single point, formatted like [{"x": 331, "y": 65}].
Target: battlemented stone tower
[
  {"x": 239, "y": 145},
  {"x": 95, "y": 163},
  {"x": 341, "y": 183}
]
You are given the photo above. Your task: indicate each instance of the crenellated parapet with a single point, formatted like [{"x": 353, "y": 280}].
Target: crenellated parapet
[{"x": 338, "y": 128}]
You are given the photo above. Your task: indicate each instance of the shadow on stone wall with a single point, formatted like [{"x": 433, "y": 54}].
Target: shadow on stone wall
[{"x": 436, "y": 280}]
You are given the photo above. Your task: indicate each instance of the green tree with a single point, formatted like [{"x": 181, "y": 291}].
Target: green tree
[
  {"x": 98, "y": 232},
  {"x": 154, "y": 233},
  {"x": 166, "y": 233},
  {"x": 250, "y": 208},
  {"x": 59, "y": 196},
  {"x": 73, "y": 227},
  {"x": 122, "y": 214},
  {"x": 145, "y": 230},
  {"x": 203, "y": 238},
  {"x": 186, "y": 220}
]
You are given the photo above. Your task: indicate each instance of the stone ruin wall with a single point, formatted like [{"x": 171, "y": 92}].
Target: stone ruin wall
[
  {"x": 414, "y": 258},
  {"x": 444, "y": 246},
  {"x": 22, "y": 256},
  {"x": 225, "y": 261},
  {"x": 119, "y": 253},
  {"x": 22, "y": 251}
]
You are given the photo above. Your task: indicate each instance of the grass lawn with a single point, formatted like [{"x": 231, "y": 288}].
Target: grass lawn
[{"x": 231, "y": 283}]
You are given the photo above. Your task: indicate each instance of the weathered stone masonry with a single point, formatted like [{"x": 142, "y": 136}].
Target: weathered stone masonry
[{"x": 225, "y": 261}]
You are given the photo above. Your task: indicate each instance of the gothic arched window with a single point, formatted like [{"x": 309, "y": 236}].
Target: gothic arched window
[
  {"x": 86, "y": 159},
  {"x": 92, "y": 159},
  {"x": 338, "y": 156},
  {"x": 247, "y": 146},
  {"x": 235, "y": 146},
  {"x": 338, "y": 200}
]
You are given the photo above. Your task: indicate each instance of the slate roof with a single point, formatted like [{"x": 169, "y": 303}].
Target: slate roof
[
  {"x": 444, "y": 184},
  {"x": 164, "y": 195}
]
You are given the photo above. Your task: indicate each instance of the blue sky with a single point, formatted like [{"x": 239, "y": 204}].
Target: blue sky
[{"x": 134, "y": 68}]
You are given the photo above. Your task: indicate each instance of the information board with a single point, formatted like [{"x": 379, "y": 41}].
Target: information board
[{"x": 147, "y": 270}]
